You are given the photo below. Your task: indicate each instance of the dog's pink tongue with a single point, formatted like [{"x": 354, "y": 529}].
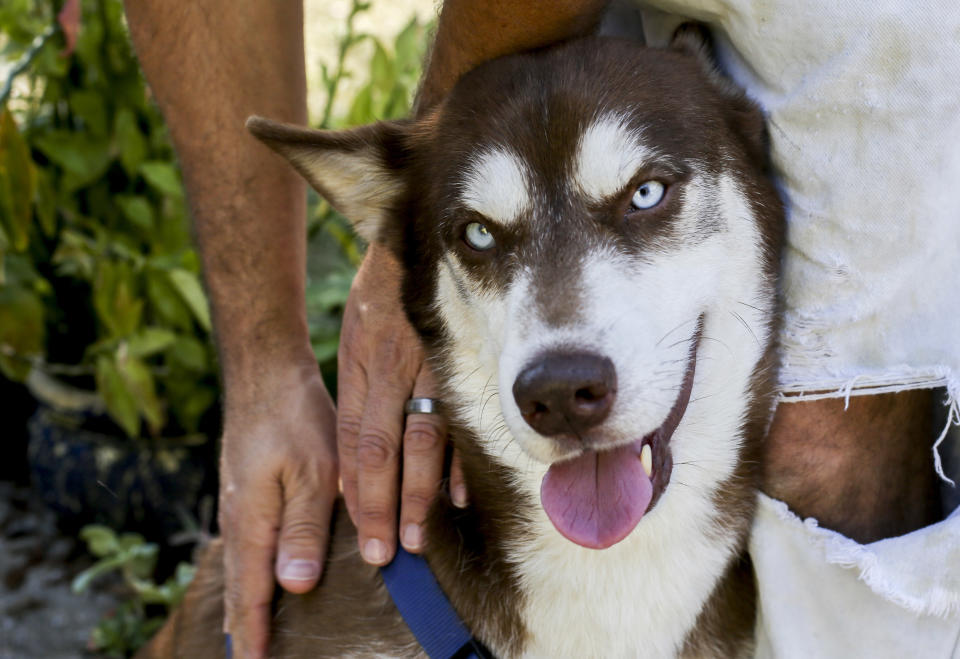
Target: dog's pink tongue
[{"x": 595, "y": 500}]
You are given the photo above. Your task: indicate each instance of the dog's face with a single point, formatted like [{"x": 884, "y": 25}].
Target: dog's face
[{"x": 591, "y": 245}]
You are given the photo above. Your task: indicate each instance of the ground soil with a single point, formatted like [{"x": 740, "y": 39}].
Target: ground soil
[{"x": 39, "y": 615}]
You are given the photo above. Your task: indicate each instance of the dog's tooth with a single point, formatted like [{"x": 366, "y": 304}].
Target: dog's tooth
[{"x": 646, "y": 459}]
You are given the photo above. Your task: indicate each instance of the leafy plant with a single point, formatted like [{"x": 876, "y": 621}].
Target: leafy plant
[
  {"x": 390, "y": 78},
  {"x": 99, "y": 283},
  {"x": 131, "y": 625}
]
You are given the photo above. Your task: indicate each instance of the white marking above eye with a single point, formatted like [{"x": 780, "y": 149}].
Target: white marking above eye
[
  {"x": 497, "y": 186},
  {"x": 608, "y": 156}
]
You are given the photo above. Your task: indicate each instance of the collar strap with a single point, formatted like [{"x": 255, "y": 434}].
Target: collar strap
[{"x": 427, "y": 611}]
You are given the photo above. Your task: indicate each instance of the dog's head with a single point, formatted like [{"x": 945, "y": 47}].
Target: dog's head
[{"x": 589, "y": 233}]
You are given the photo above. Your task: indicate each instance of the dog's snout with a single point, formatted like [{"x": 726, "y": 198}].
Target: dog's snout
[{"x": 566, "y": 393}]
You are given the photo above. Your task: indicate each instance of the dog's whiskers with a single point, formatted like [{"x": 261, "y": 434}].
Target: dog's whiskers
[{"x": 744, "y": 323}]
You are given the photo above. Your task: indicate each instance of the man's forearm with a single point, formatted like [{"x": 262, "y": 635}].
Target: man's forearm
[
  {"x": 471, "y": 32},
  {"x": 210, "y": 65}
]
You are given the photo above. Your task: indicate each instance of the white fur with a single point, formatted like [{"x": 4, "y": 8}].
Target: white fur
[
  {"x": 497, "y": 186},
  {"x": 638, "y": 312},
  {"x": 361, "y": 188},
  {"x": 608, "y": 156}
]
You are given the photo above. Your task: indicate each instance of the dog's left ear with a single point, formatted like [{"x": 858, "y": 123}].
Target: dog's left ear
[
  {"x": 358, "y": 171},
  {"x": 744, "y": 116}
]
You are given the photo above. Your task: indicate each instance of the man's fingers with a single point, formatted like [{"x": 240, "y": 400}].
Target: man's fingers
[
  {"x": 378, "y": 469},
  {"x": 458, "y": 484},
  {"x": 306, "y": 526},
  {"x": 249, "y": 578},
  {"x": 352, "y": 393},
  {"x": 424, "y": 443}
]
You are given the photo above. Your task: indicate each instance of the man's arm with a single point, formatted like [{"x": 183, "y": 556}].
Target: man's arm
[
  {"x": 471, "y": 32},
  {"x": 210, "y": 65}
]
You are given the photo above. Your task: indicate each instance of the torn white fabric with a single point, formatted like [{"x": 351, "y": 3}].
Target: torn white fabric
[
  {"x": 863, "y": 106},
  {"x": 823, "y": 595}
]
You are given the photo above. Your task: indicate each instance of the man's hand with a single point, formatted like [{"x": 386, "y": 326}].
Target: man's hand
[
  {"x": 381, "y": 367},
  {"x": 278, "y": 484}
]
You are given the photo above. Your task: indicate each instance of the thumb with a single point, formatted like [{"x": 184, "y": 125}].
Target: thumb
[{"x": 304, "y": 532}]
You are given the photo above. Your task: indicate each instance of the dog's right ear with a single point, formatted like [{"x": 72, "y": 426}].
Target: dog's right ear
[{"x": 358, "y": 171}]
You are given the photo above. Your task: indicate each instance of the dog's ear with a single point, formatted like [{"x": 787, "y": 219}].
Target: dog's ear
[
  {"x": 358, "y": 171},
  {"x": 744, "y": 116}
]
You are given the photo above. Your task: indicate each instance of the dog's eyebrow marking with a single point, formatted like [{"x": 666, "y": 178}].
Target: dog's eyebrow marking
[
  {"x": 607, "y": 157},
  {"x": 497, "y": 186}
]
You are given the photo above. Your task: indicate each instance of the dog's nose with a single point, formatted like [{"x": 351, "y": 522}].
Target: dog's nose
[{"x": 565, "y": 393}]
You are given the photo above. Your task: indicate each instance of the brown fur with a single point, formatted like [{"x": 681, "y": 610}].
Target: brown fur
[{"x": 505, "y": 101}]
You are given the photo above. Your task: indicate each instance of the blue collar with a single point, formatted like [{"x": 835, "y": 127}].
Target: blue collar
[{"x": 427, "y": 611}]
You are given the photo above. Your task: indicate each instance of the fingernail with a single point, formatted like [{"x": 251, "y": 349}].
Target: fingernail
[
  {"x": 300, "y": 570},
  {"x": 459, "y": 495},
  {"x": 374, "y": 551},
  {"x": 228, "y": 644},
  {"x": 412, "y": 536}
]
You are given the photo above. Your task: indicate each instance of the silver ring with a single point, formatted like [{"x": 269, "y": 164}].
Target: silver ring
[{"x": 422, "y": 406}]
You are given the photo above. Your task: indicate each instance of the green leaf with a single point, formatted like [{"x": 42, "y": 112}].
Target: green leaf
[
  {"x": 45, "y": 203},
  {"x": 361, "y": 110},
  {"x": 130, "y": 141},
  {"x": 149, "y": 341},
  {"x": 128, "y": 541},
  {"x": 84, "y": 157},
  {"x": 75, "y": 256},
  {"x": 88, "y": 105},
  {"x": 120, "y": 400},
  {"x": 115, "y": 298},
  {"x": 189, "y": 401},
  {"x": 21, "y": 329},
  {"x": 101, "y": 540},
  {"x": 141, "y": 560},
  {"x": 331, "y": 292},
  {"x": 325, "y": 350},
  {"x": 85, "y": 578},
  {"x": 137, "y": 210},
  {"x": 190, "y": 354},
  {"x": 188, "y": 286},
  {"x": 166, "y": 305},
  {"x": 163, "y": 177},
  {"x": 139, "y": 381},
  {"x": 382, "y": 73},
  {"x": 17, "y": 183},
  {"x": 408, "y": 46}
]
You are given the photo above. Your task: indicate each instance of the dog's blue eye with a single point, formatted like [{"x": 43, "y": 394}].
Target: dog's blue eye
[
  {"x": 647, "y": 195},
  {"x": 478, "y": 236}
]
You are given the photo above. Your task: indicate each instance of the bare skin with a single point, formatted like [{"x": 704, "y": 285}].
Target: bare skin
[
  {"x": 866, "y": 471},
  {"x": 212, "y": 64}
]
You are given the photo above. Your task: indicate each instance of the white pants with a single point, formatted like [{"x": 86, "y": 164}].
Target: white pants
[{"x": 822, "y": 595}]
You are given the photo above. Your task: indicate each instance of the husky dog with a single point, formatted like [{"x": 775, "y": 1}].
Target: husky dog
[{"x": 591, "y": 246}]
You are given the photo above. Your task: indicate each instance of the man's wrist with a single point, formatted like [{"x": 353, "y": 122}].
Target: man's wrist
[{"x": 261, "y": 375}]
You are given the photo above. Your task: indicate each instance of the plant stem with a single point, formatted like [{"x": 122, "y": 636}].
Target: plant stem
[
  {"x": 26, "y": 60},
  {"x": 348, "y": 40},
  {"x": 45, "y": 366}
]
